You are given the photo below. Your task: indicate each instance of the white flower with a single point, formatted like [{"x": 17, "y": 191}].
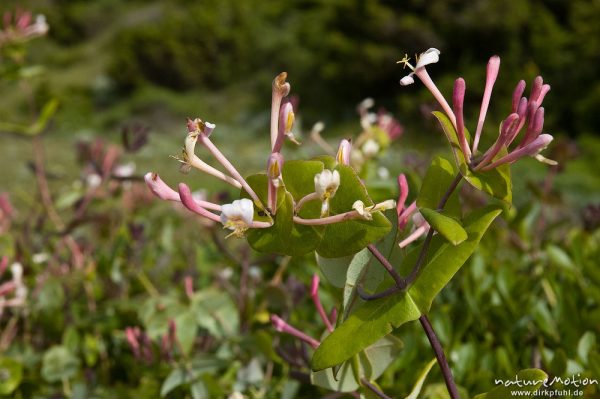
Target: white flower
[
  {"x": 430, "y": 56},
  {"x": 367, "y": 212},
  {"x": 238, "y": 216},
  {"x": 327, "y": 183},
  {"x": 17, "y": 272},
  {"x": 124, "y": 170},
  {"x": 370, "y": 148}
]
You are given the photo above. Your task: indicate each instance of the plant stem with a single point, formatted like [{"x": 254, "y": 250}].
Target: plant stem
[
  {"x": 373, "y": 388},
  {"x": 441, "y": 358},
  {"x": 440, "y": 206}
]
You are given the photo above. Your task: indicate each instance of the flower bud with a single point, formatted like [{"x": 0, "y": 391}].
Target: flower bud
[
  {"x": 160, "y": 188},
  {"x": 344, "y": 151}
]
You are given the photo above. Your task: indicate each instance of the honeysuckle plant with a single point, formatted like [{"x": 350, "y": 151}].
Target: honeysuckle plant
[{"x": 321, "y": 206}]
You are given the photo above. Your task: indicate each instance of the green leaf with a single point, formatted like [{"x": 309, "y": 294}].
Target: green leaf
[
  {"x": 449, "y": 228},
  {"x": 496, "y": 182},
  {"x": 176, "y": 378},
  {"x": 586, "y": 344},
  {"x": 533, "y": 377},
  {"x": 414, "y": 394},
  {"x": 440, "y": 175},
  {"x": 59, "y": 364},
  {"x": 12, "y": 375},
  {"x": 334, "y": 269},
  {"x": 375, "y": 319},
  {"x": 331, "y": 241},
  {"x": 343, "y": 381},
  {"x": 370, "y": 322},
  {"x": 299, "y": 177},
  {"x": 371, "y": 364},
  {"x": 364, "y": 270},
  {"x": 186, "y": 330},
  {"x": 448, "y": 259},
  {"x": 284, "y": 237},
  {"x": 349, "y": 237}
]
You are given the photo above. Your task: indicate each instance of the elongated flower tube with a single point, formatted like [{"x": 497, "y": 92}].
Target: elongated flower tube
[
  {"x": 458, "y": 98},
  {"x": 280, "y": 89},
  {"x": 189, "y": 202},
  {"x": 493, "y": 67},
  {"x": 202, "y": 130},
  {"x": 532, "y": 149},
  {"x": 280, "y": 325},
  {"x": 421, "y": 228},
  {"x": 314, "y": 294}
]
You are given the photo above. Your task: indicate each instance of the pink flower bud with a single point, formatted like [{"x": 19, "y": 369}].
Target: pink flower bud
[
  {"x": 458, "y": 97},
  {"x": 517, "y": 94},
  {"x": 403, "y": 194},
  {"x": 189, "y": 202},
  {"x": 344, "y": 151}
]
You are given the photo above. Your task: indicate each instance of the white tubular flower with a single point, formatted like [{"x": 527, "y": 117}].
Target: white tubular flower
[
  {"x": 238, "y": 216},
  {"x": 430, "y": 56},
  {"x": 17, "y": 272},
  {"x": 370, "y": 148},
  {"x": 367, "y": 212},
  {"x": 327, "y": 183},
  {"x": 344, "y": 150}
]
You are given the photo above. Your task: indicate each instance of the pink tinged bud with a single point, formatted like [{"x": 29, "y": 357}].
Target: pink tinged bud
[
  {"x": 493, "y": 67},
  {"x": 517, "y": 94},
  {"x": 403, "y": 194},
  {"x": 507, "y": 133},
  {"x": 283, "y": 327},
  {"x": 160, "y": 188},
  {"x": 531, "y": 149},
  {"x": 458, "y": 97},
  {"x": 543, "y": 92},
  {"x": 188, "y": 285},
  {"x": 314, "y": 286},
  {"x": 344, "y": 151},
  {"x": 188, "y": 201},
  {"x": 536, "y": 89},
  {"x": 333, "y": 315},
  {"x": 274, "y": 167},
  {"x": 536, "y": 125},
  {"x": 130, "y": 334},
  {"x": 3, "y": 264},
  {"x": 7, "y": 288}
]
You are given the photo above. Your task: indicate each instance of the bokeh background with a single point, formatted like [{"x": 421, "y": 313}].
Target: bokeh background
[{"x": 530, "y": 296}]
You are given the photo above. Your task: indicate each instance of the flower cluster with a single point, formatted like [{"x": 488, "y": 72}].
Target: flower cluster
[
  {"x": 21, "y": 27},
  {"x": 238, "y": 216},
  {"x": 526, "y": 112},
  {"x": 15, "y": 288}
]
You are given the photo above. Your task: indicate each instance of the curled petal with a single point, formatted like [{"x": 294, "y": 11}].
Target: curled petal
[
  {"x": 407, "y": 80},
  {"x": 430, "y": 56}
]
